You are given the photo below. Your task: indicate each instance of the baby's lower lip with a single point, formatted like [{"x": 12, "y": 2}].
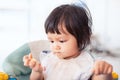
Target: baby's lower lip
[{"x": 57, "y": 52}]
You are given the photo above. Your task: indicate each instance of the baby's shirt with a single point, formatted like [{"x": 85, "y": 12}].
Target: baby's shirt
[{"x": 78, "y": 68}]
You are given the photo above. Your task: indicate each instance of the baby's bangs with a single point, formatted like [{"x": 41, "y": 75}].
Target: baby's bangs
[
  {"x": 55, "y": 25},
  {"x": 52, "y": 26}
]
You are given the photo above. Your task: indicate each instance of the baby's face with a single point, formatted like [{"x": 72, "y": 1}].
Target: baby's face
[{"x": 63, "y": 45}]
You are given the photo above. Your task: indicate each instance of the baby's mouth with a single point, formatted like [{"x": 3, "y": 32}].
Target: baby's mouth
[{"x": 57, "y": 52}]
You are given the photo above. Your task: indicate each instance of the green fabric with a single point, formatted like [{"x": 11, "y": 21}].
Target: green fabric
[
  {"x": 13, "y": 64},
  {"x": 23, "y": 77}
]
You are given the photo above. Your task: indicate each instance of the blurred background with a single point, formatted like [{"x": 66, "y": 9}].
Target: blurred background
[{"x": 22, "y": 21}]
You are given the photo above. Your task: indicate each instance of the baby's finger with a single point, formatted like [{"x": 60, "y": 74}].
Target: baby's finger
[
  {"x": 30, "y": 56},
  {"x": 105, "y": 70},
  {"x": 102, "y": 67},
  {"x": 96, "y": 68},
  {"x": 26, "y": 63},
  {"x": 25, "y": 58},
  {"x": 110, "y": 70},
  {"x": 38, "y": 67},
  {"x": 96, "y": 71},
  {"x": 32, "y": 63}
]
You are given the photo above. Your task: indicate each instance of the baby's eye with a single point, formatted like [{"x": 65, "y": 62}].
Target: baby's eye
[
  {"x": 51, "y": 41},
  {"x": 62, "y": 41}
]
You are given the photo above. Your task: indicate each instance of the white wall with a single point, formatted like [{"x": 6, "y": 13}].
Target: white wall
[
  {"x": 14, "y": 29},
  {"x": 106, "y": 19},
  {"x": 113, "y": 23}
]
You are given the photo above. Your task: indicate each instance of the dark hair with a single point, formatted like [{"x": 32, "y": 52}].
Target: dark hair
[{"x": 76, "y": 21}]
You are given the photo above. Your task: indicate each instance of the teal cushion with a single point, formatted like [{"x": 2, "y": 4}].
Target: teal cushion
[{"x": 13, "y": 64}]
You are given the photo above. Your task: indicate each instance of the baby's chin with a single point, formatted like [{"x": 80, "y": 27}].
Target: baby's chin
[{"x": 59, "y": 56}]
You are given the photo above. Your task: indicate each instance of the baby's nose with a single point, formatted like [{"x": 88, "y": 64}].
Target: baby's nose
[{"x": 56, "y": 46}]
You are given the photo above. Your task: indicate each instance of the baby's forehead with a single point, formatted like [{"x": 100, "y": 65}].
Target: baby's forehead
[
  {"x": 62, "y": 29},
  {"x": 57, "y": 36}
]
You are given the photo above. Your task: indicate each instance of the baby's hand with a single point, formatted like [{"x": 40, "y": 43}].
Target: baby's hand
[
  {"x": 102, "y": 67},
  {"x": 32, "y": 63}
]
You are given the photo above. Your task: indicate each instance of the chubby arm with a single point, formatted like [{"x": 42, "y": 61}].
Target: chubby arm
[
  {"x": 36, "y": 67},
  {"x": 102, "y": 71}
]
